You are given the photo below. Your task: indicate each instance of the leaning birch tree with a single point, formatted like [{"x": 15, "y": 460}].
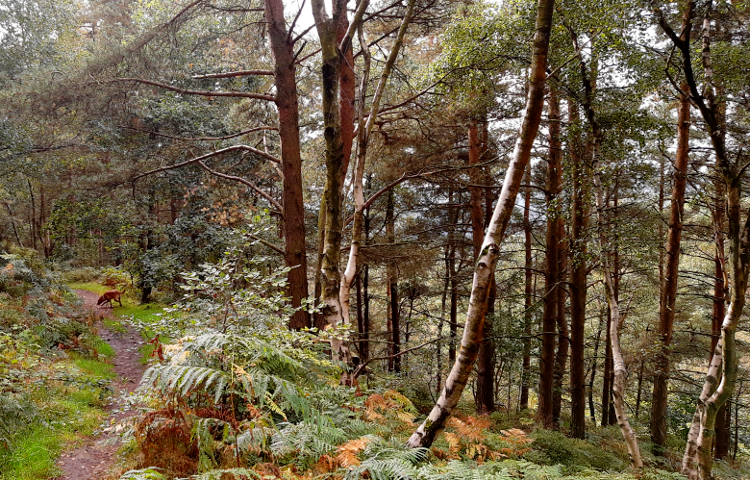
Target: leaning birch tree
[{"x": 485, "y": 265}]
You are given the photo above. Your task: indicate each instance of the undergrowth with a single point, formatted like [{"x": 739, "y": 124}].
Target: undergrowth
[
  {"x": 54, "y": 378},
  {"x": 238, "y": 395}
]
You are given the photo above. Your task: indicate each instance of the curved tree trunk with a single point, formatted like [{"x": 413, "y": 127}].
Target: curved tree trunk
[
  {"x": 365, "y": 129},
  {"x": 485, "y": 266},
  {"x": 722, "y": 372},
  {"x": 608, "y": 272}
]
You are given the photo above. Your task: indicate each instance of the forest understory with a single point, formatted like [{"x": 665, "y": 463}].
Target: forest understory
[{"x": 388, "y": 239}]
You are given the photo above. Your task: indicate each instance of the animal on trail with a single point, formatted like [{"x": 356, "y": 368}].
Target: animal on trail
[{"x": 107, "y": 297}]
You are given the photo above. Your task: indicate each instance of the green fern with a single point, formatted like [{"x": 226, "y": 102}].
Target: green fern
[
  {"x": 149, "y": 473},
  {"x": 222, "y": 474},
  {"x": 388, "y": 461}
]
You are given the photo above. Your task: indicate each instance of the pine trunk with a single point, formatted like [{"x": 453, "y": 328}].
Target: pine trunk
[
  {"x": 579, "y": 273},
  {"x": 485, "y": 393},
  {"x": 549, "y": 316},
  {"x": 295, "y": 256},
  {"x": 669, "y": 287}
]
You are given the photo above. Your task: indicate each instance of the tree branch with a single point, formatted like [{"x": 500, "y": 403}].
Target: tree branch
[
  {"x": 245, "y": 182},
  {"x": 199, "y": 139},
  {"x": 204, "y": 157},
  {"x": 205, "y": 93},
  {"x": 239, "y": 73}
]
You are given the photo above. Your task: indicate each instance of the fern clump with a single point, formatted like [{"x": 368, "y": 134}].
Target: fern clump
[{"x": 247, "y": 389}]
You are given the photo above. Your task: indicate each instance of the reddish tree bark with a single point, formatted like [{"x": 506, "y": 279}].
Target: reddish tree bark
[
  {"x": 282, "y": 47},
  {"x": 549, "y": 316},
  {"x": 485, "y": 392},
  {"x": 579, "y": 272},
  {"x": 669, "y": 287}
]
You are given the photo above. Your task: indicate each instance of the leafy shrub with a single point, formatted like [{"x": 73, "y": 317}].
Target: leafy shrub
[
  {"x": 80, "y": 275},
  {"x": 117, "y": 278}
]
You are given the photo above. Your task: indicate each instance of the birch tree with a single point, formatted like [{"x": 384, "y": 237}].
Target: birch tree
[{"x": 485, "y": 265}]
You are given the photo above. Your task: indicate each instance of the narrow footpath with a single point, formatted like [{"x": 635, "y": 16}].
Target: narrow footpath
[{"x": 92, "y": 460}]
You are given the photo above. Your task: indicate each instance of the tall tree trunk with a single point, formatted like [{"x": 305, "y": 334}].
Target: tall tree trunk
[
  {"x": 608, "y": 271},
  {"x": 485, "y": 393},
  {"x": 721, "y": 377},
  {"x": 333, "y": 52},
  {"x": 721, "y": 449},
  {"x": 295, "y": 257},
  {"x": 549, "y": 316},
  {"x": 365, "y": 129},
  {"x": 452, "y": 275},
  {"x": 639, "y": 390},
  {"x": 563, "y": 338},
  {"x": 669, "y": 287},
  {"x": 392, "y": 271},
  {"x": 361, "y": 332},
  {"x": 527, "y": 317},
  {"x": 595, "y": 360},
  {"x": 485, "y": 266},
  {"x": 579, "y": 271}
]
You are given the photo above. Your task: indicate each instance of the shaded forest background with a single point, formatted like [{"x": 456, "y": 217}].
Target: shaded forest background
[{"x": 328, "y": 181}]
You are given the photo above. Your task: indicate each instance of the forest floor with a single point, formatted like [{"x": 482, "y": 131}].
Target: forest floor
[{"x": 95, "y": 457}]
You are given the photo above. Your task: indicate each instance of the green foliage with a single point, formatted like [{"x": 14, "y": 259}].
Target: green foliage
[
  {"x": 388, "y": 460},
  {"x": 143, "y": 474},
  {"x": 553, "y": 448}
]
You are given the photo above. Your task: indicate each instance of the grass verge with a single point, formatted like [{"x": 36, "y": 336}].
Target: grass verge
[{"x": 69, "y": 407}]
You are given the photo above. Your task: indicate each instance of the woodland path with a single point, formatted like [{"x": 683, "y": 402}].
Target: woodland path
[{"x": 92, "y": 460}]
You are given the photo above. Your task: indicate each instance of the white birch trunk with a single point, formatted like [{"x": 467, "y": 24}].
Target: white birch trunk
[{"x": 485, "y": 266}]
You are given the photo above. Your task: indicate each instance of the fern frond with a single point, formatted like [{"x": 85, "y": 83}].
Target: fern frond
[
  {"x": 149, "y": 473},
  {"x": 223, "y": 474}
]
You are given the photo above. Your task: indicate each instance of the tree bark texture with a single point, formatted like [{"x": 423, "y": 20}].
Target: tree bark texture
[
  {"x": 669, "y": 287},
  {"x": 485, "y": 266},
  {"x": 333, "y": 55},
  {"x": 578, "y": 278},
  {"x": 721, "y": 448},
  {"x": 528, "y": 301},
  {"x": 549, "y": 315},
  {"x": 295, "y": 255},
  {"x": 485, "y": 391}
]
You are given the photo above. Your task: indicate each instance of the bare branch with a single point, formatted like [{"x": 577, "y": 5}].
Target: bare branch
[
  {"x": 268, "y": 244},
  {"x": 245, "y": 182},
  {"x": 239, "y": 73},
  {"x": 199, "y": 139},
  {"x": 215, "y": 153},
  {"x": 205, "y": 93}
]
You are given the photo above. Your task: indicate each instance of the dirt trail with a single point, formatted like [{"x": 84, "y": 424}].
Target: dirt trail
[{"x": 92, "y": 460}]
